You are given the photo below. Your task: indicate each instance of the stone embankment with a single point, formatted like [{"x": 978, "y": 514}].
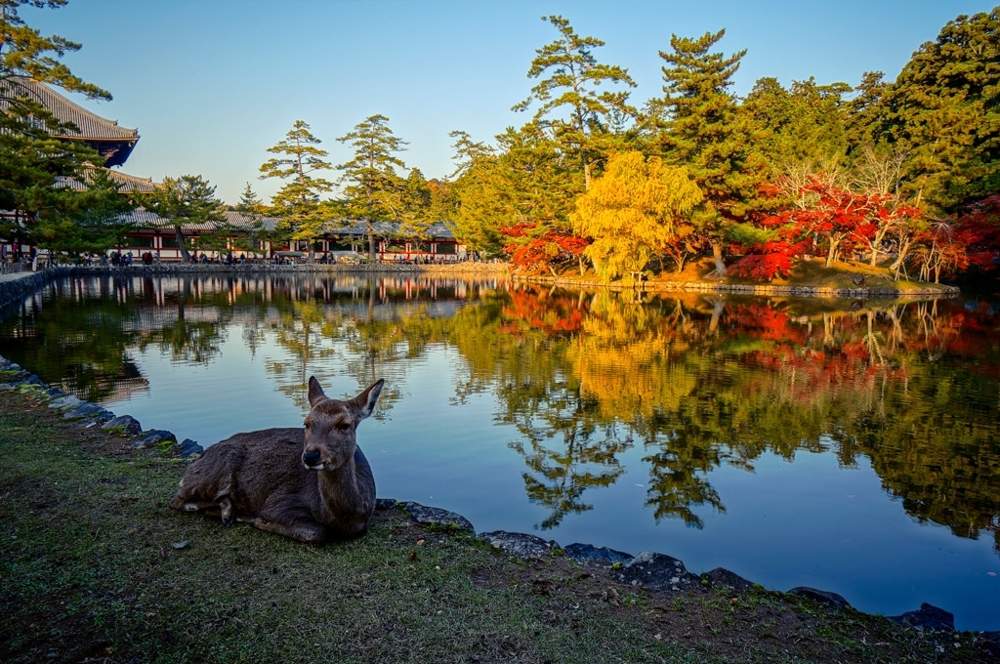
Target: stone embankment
[
  {"x": 866, "y": 292},
  {"x": 654, "y": 571}
]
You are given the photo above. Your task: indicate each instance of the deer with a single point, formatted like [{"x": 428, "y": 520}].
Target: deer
[{"x": 313, "y": 484}]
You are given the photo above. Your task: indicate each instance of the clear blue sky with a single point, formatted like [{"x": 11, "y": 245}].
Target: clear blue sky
[{"x": 211, "y": 84}]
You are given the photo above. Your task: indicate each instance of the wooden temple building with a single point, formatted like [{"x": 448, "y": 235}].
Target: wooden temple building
[{"x": 155, "y": 235}]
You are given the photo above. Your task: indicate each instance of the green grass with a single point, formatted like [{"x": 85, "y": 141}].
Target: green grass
[{"x": 96, "y": 568}]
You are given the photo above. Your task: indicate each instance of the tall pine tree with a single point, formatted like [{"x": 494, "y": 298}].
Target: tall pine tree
[
  {"x": 696, "y": 125},
  {"x": 581, "y": 119},
  {"x": 374, "y": 191},
  {"x": 297, "y": 203}
]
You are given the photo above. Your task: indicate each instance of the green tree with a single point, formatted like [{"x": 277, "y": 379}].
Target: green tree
[
  {"x": 800, "y": 130},
  {"x": 633, "y": 212},
  {"x": 24, "y": 52},
  {"x": 374, "y": 191},
  {"x": 476, "y": 218},
  {"x": 417, "y": 199},
  {"x": 696, "y": 125},
  {"x": 91, "y": 221},
  {"x": 297, "y": 203},
  {"x": 581, "y": 119},
  {"x": 251, "y": 237},
  {"x": 942, "y": 110},
  {"x": 517, "y": 194},
  {"x": 32, "y": 162},
  {"x": 185, "y": 201}
]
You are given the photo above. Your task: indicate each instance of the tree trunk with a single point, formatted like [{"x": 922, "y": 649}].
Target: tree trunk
[
  {"x": 717, "y": 308},
  {"x": 185, "y": 256},
  {"x": 904, "y": 249},
  {"x": 371, "y": 241},
  {"x": 720, "y": 265},
  {"x": 831, "y": 253}
]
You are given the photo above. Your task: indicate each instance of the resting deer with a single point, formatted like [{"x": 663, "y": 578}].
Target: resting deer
[{"x": 316, "y": 492}]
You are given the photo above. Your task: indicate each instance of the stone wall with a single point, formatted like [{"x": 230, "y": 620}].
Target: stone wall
[{"x": 15, "y": 287}]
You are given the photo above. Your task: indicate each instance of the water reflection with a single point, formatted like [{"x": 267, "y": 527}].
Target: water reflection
[
  {"x": 709, "y": 382},
  {"x": 580, "y": 379}
]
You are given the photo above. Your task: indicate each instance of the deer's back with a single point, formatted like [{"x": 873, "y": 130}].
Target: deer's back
[{"x": 249, "y": 467}]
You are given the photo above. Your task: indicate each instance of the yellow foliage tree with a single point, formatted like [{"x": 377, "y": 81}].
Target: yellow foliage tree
[{"x": 633, "y": 213}]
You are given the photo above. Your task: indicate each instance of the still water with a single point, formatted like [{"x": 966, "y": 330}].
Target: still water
[{"x": 855, "y": 450}]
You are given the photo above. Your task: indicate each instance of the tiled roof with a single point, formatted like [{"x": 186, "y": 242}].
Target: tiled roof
[
  {"x": 127, "y": 183},
  {"x": 113, "y": 142},
  {"x": 387, "y": 229},
  {"x": 143, "y": 218}
]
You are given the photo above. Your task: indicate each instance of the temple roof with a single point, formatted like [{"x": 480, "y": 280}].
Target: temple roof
[
  {"x": 114, "y": 143},
  {"x": 142, "y": 218},
  {"x": 126, "y": 182}
]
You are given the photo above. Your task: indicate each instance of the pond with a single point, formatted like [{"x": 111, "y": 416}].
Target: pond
[{"x": 852, "y": 447}]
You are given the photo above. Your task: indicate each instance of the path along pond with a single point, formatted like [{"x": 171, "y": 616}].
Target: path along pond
[{"x": 847, "y": 446}]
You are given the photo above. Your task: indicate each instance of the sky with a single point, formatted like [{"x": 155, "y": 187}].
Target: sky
[{"x": 211, "y": 84}]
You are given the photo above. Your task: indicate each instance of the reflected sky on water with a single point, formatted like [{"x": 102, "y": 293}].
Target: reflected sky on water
[{"x": 848, "y": 446}]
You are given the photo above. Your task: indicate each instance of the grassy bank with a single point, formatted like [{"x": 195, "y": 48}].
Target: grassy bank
[{"x": 96, "y": 568}]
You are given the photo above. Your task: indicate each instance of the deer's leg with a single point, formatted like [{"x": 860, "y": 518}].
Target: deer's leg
[{"x": 293, "y": 521}]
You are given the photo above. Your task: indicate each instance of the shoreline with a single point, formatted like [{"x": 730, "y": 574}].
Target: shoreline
[{"x": 14, "y": 286}]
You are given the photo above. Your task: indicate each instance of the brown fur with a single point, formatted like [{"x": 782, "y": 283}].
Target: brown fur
[{"x": 313, "y": 492}]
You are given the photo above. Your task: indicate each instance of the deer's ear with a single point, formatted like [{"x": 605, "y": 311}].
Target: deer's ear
[
  {"x": 315, "y": 391},
  {"x": 368, "y": 398}
]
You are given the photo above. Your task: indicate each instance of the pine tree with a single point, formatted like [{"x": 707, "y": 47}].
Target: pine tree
[
  {"x": 374, "y": 192},
  {"x": 942, "y": 111},
  {"x": 252, "y": 209},
  {"x": 589, "y": 118},
  {"x": 297, "y": 203},
  {"x": 187, "y": 200},
  {"x": 697, "y": 126},
  {"x": 32, "y": 161}
]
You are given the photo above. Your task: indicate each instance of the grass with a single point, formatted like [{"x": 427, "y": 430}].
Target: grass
[{"x": 94, "y": 567}]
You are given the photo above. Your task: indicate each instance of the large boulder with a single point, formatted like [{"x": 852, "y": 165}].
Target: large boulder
[
  {"x": 600, "y": 556},
  {"x": 438, "y": 517},
  {"x": 927, "y": 616},
  {"x": 520, "y": 545},
  {"x": 656, "y": 571}
]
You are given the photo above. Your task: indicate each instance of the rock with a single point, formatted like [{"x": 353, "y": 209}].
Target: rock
[
  {"x": 7, "y": 365},
  {"x": 88, "y": 410},
  {"x": 520, "y": 545},
  {"x": 65, "y": 403},
  {"x": 720, "y": 577},
  {"x": 189, "y": 448},
  {"x": 151, "y": 438},
  {"x": 126, "y": 423},
  {"x": 383, "y": 504},
  {"x": 438, "y": 517},
  {"x": 832, "y": 600},
  {"x": 601, "y": 556},
  {"x": 927, "y": 617},
  {"x": 656, "y": 571}
]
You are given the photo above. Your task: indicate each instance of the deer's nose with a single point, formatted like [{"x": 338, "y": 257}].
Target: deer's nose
[{"x": 310, "y": 458}]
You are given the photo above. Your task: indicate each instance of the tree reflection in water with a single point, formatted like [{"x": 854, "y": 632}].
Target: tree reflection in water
[{"x": 913, "y": 387}]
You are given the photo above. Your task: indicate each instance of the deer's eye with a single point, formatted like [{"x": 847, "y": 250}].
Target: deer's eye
[{"x": 344, "y": 427}]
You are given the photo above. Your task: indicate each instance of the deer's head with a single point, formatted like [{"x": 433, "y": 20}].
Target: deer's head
[{"x": 331, "y": 426}]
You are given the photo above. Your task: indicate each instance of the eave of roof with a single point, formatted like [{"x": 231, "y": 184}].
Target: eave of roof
[{"x": 92, "y": 126}]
